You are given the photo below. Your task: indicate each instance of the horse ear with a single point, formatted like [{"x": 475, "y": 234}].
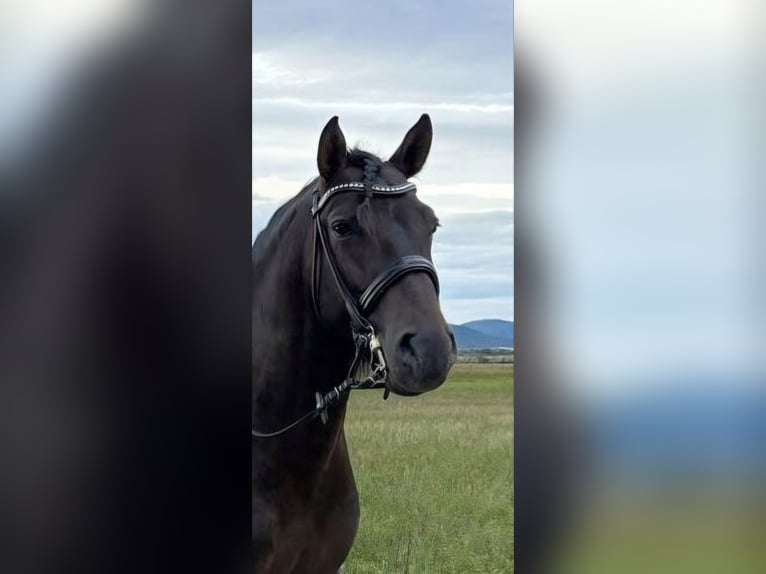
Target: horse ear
[
  {"x": 413, "y": 151},
  {"x": 331, "y": 156}
]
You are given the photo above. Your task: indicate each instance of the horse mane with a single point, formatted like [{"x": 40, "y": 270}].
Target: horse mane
[{"x": 275, "y": 229}]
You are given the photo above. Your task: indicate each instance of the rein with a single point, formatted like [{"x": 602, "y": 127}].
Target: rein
[{"x": 366, "y": 342}]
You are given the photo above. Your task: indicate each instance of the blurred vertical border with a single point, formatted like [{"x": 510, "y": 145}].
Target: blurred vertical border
[
  {"x": 125, "y": 183},
  {"x": 640, "y": 342}
]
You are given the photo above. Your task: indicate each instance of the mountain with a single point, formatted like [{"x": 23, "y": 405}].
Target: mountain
[
  {"x": 483, "y": 334},
  {"x": 493, "y": 328}
]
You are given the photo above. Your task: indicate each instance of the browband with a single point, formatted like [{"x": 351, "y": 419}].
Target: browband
[{"x": 359, "y": 186}]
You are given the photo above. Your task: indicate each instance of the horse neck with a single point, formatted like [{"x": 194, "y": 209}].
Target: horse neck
[{"x": 294, "y": 355}]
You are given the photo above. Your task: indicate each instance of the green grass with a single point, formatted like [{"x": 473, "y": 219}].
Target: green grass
[
  {"x": 435, "y": 476},
  {"x": 691, "y": 530}
]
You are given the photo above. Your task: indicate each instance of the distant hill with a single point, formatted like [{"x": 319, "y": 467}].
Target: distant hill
[
  {"x": 492, "y": 327},
  {"x": 484, "y": 334}
]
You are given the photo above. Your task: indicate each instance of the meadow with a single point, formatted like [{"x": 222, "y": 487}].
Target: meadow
[{"x": 435, "y": 476}]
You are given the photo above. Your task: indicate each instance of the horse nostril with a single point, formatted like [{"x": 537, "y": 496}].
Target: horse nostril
[
  {"x": 423, "y": 357},
  {"x": 452, "y": 340},
  {"x": 405, "y": 344}
]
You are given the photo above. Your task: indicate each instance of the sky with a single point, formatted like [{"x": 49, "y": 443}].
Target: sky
[
  {"x": 647, "y": 214},
  {"x": 379, "y": 67}
]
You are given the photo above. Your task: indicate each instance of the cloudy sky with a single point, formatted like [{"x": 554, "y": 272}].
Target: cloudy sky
[{"x": 378, "y": 67}]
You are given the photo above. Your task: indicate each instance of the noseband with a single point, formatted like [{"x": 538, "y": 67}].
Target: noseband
[{"x": 366, "y": 341}]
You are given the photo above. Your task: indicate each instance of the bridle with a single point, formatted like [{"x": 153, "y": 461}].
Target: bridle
[
  {"x": 368, "y": 349},
  {"x": 359, "y": 308}
]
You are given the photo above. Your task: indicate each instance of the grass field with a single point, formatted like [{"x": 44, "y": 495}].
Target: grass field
[{"x": 435, "y": 476}]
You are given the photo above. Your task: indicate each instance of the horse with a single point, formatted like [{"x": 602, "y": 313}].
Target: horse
[{"x": 343, "y": 284}]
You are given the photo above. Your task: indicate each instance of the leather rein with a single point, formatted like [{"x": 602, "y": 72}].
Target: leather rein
[{"x": 368, "y": 348}]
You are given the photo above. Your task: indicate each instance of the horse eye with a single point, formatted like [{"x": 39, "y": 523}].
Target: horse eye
[
  {"x": 341, "y": 228},
  {"x": 436, "y": 226}
]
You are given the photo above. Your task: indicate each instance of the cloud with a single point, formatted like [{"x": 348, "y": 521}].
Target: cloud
[
  {"x": 463, "y": 198},
  {"x": 474, "y": 255},
  {"x": 269, "y": 71},
  {"x": 275, "y": 188},
  {"x": 404, "y": 32},
  {"x": 390, "y": 106}
]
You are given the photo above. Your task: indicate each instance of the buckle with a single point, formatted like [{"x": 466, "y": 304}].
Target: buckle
[
  {"x": 321, "y": 407},
  {"x": 376, "y": 351}
]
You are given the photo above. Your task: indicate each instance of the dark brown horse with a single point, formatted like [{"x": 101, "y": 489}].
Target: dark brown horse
[{"x": 342, "y": 279}]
